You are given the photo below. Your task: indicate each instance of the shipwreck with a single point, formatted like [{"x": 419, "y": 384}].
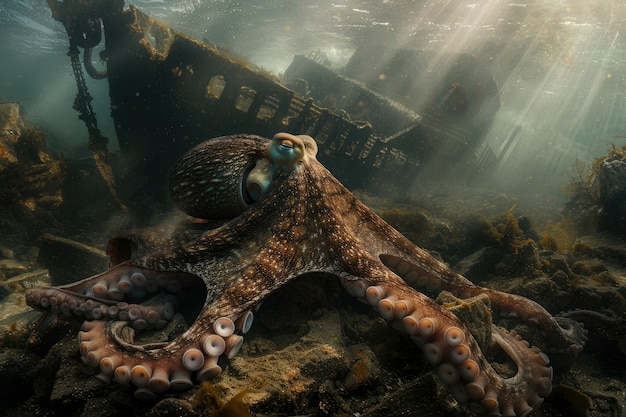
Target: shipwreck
[{"x": 396, "y": 119}]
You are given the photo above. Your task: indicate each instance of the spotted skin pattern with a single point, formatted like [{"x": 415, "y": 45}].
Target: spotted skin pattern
[{"x": 264, "y": 212}]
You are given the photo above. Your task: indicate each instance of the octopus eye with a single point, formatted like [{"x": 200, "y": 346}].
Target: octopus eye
[{"x": 286, "y": 150}]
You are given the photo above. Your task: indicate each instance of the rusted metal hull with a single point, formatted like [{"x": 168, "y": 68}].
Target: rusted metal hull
[{"x": 169, "y": 92}]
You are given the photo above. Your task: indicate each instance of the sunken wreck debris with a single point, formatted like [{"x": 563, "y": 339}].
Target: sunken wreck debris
[
  {"x": 436, "y": 119},
  {"x": 31, "y": 177},
  {"x": 169, "y": 92}
]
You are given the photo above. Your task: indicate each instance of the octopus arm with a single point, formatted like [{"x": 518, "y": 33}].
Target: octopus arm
[
  {"x": 453, "y": 351},
  {"x": 106, "y": 339},
  {"x": 421, "y": 270},
  {"x": 295, "y": 218}
]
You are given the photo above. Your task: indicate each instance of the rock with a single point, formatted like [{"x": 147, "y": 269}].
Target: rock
[
  {"x": 419, "y": 226},
  {"x": 4, "y": 292},
  {"x": 524, "y": 260},
  {"x": 425, "y": 396},
  {"x": 474, "y": 312},
  {"x": 477, "y": 266},
  {"x": 73, "y": 383},
  {"x": 16, "y": 375},
  {"x": 15, "y": 329},
  {"x": 31, "y": 182},
  {"x": 7, "y": 253},
  {"x": 560, "y": 278},
  {"x": 170, "y": 407},
  {"x": 30, "y": 176},
  {"x": 99, "y": 407},
  {"x": 364, "y": 368},
  {"x": 612, "y": 179},
  {"x": 603, "y": 245},
  {"x": 288, "y": 375}
]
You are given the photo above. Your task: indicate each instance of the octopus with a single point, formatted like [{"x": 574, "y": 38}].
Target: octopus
[{"x": 262, "y": 212}]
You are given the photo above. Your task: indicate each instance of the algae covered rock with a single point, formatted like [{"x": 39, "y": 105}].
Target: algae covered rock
[
  {"x": 30, "y": 176},
  {"x": 612, "y": 177}
]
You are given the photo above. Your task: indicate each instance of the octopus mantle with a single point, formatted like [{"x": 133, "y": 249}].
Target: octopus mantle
[{"x": 285, "y": 215}]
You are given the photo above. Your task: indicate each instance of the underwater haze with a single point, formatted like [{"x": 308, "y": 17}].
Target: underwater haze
[
  {"x": 453, "y": 169},
  {"x": 559, "y": 65}
]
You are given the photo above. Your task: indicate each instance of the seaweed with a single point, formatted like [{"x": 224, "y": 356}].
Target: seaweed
[
  {"x": 584, "y": 182},
  {"x": 586, "y": 207},
  {"x": 13, "y": 336},
  {"x": 562, "y": 234},
  {"x": 548, "y": 242},
  {"x": 415, "y": 224},
  {"x": 508, "y": 235},
  {"x": 208, "y": 402}
]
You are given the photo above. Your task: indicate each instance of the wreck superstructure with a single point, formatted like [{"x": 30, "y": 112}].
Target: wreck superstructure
[{"x": 169, "y": 92}]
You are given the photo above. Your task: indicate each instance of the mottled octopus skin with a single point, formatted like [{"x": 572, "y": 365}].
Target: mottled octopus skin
[{"x": 305, "y": 221}]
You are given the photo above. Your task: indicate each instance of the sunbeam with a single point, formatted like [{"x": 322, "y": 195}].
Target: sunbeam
[
  {"x": 331, "y": 169},
  {"x": 558, "y": 65}
]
